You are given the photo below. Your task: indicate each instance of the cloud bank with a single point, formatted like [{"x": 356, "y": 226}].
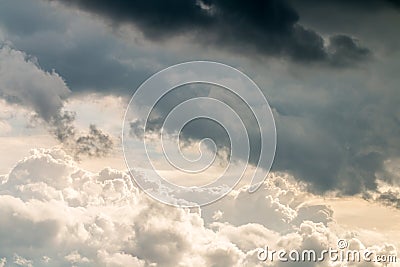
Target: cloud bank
[
  {"x": 57, "y": 214},
  {"x": 261, "y": 27}
]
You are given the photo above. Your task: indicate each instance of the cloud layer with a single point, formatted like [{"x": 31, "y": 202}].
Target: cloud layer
[
  {"x": 260, "y": 27},
  {"x": 57, "y": 214}
]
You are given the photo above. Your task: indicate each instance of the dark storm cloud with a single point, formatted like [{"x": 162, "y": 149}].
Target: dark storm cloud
[
  {"x": 371, "y": 5},
  {"x": 267, "y": 27},
  {"x": 345, "y": 50}
]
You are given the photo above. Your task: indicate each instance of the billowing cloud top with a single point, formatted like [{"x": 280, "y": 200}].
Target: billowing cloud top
[{"x": 57, "y": 214}]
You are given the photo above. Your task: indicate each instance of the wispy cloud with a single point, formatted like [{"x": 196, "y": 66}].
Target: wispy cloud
[{"x": 23, "y": 82}]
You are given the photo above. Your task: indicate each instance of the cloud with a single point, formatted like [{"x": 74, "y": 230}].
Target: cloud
[
  {"x": 22, "y": 81},
  {"x": 369, "y": 5},
  {"x": 390, "y": 197},
  {"x": 94, "y": 143},
  {"x": 80, "y": 49},
  {"x": 57, "y": 214},
  {"x": 329, "y": 126},
  {"x": 62, "y": 126},
  {"x": 262, "y": 27},
  {"x": 345, "y": 49},
  {"x": 280, "y": 200},
  {"x": 386, "y": 193},
  {"x": 20, "y": 261}
]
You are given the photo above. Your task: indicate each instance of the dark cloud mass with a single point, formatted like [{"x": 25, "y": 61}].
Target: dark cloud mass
[
  {"x": 268, "y": 27},
  {"x": 336, "y": 126},
  {"x": 345, "y": 50},
  {"x": 356, "y": 4}
]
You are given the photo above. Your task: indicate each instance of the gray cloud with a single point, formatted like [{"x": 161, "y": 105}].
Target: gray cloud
[
  {"x": 22, "y": 81},
  {"x": 368, "y": 5},
  {"x": 94, "y": 143},
  {"x": 62, "y": 126},
  {"x": 80, "y": 50},
  {"x": 336, "y": 129},
  {"x": 390, "y": 198},
  {"x": 387, "y": 192},
  {"x": 262, "y": 27},
  {"x": 329, "y": 129},
  {"x": 344, "y": 50}
]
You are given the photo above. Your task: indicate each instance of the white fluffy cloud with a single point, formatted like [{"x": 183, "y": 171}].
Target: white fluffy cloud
[{"x": 54, "y": 213}]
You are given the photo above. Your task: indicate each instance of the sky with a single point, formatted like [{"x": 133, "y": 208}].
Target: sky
[{"x": 68, "y": 69}]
